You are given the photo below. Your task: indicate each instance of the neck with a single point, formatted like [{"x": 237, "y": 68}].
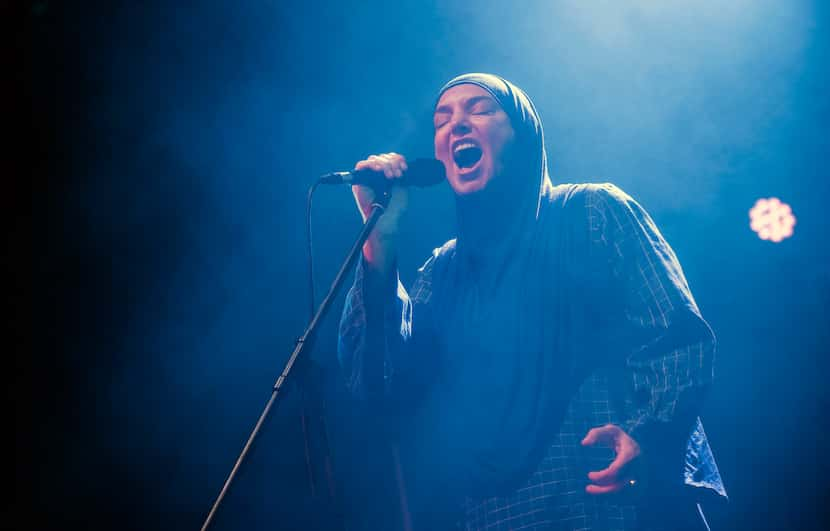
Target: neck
[{"x": 489, "y": 219}]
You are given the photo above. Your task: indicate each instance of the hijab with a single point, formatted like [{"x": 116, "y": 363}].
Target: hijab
[
  {"x": 503, "y": 318},
  {"x": 517, "y": 192}
]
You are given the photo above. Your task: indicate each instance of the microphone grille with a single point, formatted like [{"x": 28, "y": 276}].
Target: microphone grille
[{"x": 425, "y": 172}]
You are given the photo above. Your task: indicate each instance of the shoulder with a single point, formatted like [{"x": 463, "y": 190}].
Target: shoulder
[
  {"x": 591, "y": 201},
  {"x": 588, "y": 194}
]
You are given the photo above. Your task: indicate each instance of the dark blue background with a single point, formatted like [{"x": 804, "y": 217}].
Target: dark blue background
[{"x": 175, "y": 143}]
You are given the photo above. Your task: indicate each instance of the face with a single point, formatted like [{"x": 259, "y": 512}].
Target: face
[{"x": 471, "y": 134}]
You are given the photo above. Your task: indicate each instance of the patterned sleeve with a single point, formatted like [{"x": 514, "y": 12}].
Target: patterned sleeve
[
  {"x": 668, "y": 348},
  {"x": 377, "y": 349}
]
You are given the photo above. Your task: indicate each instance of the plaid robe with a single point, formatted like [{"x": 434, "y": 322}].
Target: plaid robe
[{"x": 644, "y": 398}]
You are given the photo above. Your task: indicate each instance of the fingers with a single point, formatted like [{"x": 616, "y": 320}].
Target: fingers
[
  {"x": 610, "y": 479},
  {"x": 605, "y": 489},
  {"x": 392, "y": 165},
  {"x": 611, "y": 473},
  {"x": 605, "y": 435},
  {"x": 614, "y": 477}
]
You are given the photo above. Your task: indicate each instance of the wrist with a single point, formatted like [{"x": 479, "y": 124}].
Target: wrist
[{"x": 379, "y": 253}]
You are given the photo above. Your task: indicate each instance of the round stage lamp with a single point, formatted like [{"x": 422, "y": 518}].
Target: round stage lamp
[{"x": 772, "y": 219}]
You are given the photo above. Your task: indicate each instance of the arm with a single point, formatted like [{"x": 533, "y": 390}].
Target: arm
[
  {"x": 665, "y": 346},
  {"x": 376, "y": 343},
  {"x": 386, "y": 336}
]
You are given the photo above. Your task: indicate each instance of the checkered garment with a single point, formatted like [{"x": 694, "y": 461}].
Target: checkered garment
[{"x": 554, "y": 496}]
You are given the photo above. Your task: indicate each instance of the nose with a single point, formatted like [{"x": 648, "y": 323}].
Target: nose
[{"x": 460, "y": 125}]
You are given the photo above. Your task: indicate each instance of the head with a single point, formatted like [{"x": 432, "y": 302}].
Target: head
[
  {"x": 472, "y": 132},
  {"x": 487, "y": 130}
]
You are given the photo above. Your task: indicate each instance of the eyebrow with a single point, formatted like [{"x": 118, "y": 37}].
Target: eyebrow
[{"x": 469, "y": 103}]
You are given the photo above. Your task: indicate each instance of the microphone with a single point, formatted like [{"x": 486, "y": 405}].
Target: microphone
[{"x": 420, "y": 172}]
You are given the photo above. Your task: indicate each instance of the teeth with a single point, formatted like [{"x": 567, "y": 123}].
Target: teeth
[{"x": 465, "y": 145}]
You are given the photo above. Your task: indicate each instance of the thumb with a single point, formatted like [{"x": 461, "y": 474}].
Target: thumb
[
  {"x": 602, "y": 434},
  {"x": 364, "y": 197}
]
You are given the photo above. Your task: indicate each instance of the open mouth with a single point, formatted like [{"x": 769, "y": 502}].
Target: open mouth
[{"x": 466, "y": 155}]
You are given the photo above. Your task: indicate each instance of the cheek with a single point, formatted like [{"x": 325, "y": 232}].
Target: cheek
[
  {"x": 498, "y": 136},
  {"x": 440, "y": 148}
]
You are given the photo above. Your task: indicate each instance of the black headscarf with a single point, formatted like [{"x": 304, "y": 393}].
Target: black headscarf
[
  {"x": 504, "y": 322},
  {"x": 514, "y": 195}
]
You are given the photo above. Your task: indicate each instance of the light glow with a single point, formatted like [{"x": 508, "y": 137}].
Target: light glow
[{"x": 772, "y": 219}]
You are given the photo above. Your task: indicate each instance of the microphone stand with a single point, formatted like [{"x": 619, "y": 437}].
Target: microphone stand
[{"x": 305, "y": 341}]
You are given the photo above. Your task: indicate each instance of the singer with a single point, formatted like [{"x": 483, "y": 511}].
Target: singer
[{"x": 546, "y": 369}]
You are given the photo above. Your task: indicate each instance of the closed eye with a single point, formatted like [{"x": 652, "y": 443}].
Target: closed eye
[
  {"x": 482, "y": 105},
  {"x": 440, "y": 120}
]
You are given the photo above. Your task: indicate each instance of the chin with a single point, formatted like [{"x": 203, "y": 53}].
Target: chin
[
  {"x": 469, "y": 187},
  {"x": 470, "y": 184}
]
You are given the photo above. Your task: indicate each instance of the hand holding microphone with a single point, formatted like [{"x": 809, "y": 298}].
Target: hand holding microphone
[
  {"x": 380, "y": 249},
  {"x": 381, "y": 172},
  {"x": 390, "y": 171},
  {"x": 388, "y": 167}
]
